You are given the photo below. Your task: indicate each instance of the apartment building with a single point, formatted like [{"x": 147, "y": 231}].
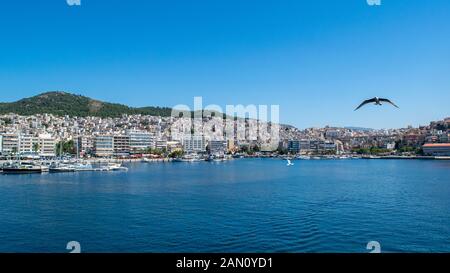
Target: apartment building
[
  {"x": 218, "y": 146},
  {"x": 140, "y": 140},
  {"x": 121, "y": 145},
  {"x": 104, "y": 146},
  {"x": 46, "y": 145},
  {"x": 194, "y": 144}
]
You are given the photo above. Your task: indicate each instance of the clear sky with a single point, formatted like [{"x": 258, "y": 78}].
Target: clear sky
[{"x": 317, "y": 59}]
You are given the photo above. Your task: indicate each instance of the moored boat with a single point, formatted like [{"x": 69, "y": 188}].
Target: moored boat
[{"x": 21, "y": 168}]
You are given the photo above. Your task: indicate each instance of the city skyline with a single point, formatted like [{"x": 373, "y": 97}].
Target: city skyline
[
  {"x": 316, "y": 59},
  {"x": 286, "y": 124}
]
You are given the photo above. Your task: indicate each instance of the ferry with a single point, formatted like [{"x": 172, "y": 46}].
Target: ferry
[{"x": 21, "y": 168}]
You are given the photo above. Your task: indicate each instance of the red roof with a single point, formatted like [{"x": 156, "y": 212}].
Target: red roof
[{"x": 437, "y": 145}]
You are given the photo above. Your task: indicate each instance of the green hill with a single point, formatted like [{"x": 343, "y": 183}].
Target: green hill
[{"x": 62, "y": 103}]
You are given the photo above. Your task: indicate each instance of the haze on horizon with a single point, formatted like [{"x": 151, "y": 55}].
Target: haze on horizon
[{"x": 317, "y": 59}]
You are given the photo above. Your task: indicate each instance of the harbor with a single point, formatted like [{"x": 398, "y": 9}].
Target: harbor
[{"x": 39, "y": 167}]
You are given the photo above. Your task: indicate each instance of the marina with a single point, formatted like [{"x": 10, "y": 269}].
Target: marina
[{"x": 38, "y": 167}]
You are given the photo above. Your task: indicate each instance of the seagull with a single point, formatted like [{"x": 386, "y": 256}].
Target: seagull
[
  {"x": 289, "y": 163},
  {"x": 376, "y": 101}
]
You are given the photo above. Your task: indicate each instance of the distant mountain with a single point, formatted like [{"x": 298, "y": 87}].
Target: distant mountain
[{"x": 62, "y": 103}]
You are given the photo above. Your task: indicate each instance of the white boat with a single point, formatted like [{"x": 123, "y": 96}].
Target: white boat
[
  {"x": 61, "y": 168},
  {"x": 191, "y": 158},
  {"x": 83, "y": 167},
  {"x": 113, "y": 167}
]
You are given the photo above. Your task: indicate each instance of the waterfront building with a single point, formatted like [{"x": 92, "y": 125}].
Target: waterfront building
[
  {"x": 174, "y": 146},
  {"x": 46, "y": 145},
  {"x": 85, "y": 145},
  {"x": 27, "y": 143},
  {"x": 218, "y": 147},
  {"x": 231, "y": 146},
  {"x": 104, "y": 146},
  {"x": 194, "y": 143},
  {"x": 329, "y": 146},
  {"x": 305, "y": 146},
  {"x": 121, "y": 145},
  {"x": 161, "y": 145},
  {"x": 294, "y": 146},
  {"x": 436, "y": 149},
  {"x": 10, "y": 143},
  {"x": 140, "y": 140},
  {"x": 1, "y": 144}
]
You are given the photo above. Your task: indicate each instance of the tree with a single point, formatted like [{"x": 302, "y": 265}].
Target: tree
[
  {"x": 176, "y": 154},
  {"x": 36, "y": 147},
  {"x": 65, "y": 147}
]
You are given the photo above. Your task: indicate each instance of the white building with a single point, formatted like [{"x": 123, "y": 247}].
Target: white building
[
  {"x": 10, "y": 143},
  {"x": 140, "y": 140},
  {"x": 46, "y": 145},
  {"x": 104, "y": 146},
  {"x": 194, "y": 144},
  {"x": 28, "y": 144}
]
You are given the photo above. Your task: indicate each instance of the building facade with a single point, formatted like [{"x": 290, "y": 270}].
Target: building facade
[
  {"x": 121, "y": 145},
  {"x": 104, "y": 146},
  {"x": 294, "y": 146},
  {"x": 46, "y": 145},
  {"x": 218, "y": 147},
  {"x": 436, "y": 149},
  {"x": 194, "y": 144},
  {"x": 140, "y": 141}
]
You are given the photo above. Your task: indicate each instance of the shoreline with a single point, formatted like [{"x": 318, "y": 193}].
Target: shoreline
[{"x": 170, "y": 160}]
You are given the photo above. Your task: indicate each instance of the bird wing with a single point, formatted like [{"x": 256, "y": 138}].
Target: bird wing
[
  {"x": 366, "y": 102},
  {"x": 388, "y": 101}
]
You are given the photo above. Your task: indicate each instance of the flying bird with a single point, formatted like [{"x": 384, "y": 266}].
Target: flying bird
[
  {"x": 289, "y": 163},
  {"x": 376, "y": 101}
]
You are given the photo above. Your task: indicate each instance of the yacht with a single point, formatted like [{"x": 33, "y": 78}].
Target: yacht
[
  {"x": 83, "y": 167},
  {"x": 61, "y": 168},
  {"x": 113, "y": 167}
]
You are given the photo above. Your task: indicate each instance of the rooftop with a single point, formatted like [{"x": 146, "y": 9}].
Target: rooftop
[{"x": 436, "y": 145}]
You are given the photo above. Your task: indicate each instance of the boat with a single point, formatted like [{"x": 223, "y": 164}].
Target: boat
[
  {"x": 61, "y": 168},
  {"x": 113, "y": 167},
  {"x": 191, "y": 158},
  {"x": 21, "y": 168},
  {"x": 178, "y": 159},
  {"x": 83, "y": 167}
]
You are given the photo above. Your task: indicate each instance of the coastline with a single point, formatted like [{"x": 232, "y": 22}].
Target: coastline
[{"x": 170, "y": 160}]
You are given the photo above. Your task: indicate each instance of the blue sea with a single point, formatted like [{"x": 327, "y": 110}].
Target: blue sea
[{"x": 246, "y": 205}]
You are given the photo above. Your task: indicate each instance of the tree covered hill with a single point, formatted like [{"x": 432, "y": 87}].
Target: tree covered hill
[{"x": 62, "y": 103}]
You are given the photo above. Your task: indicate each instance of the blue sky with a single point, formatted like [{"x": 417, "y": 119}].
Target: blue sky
[{"x": 317, "y": 59}]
